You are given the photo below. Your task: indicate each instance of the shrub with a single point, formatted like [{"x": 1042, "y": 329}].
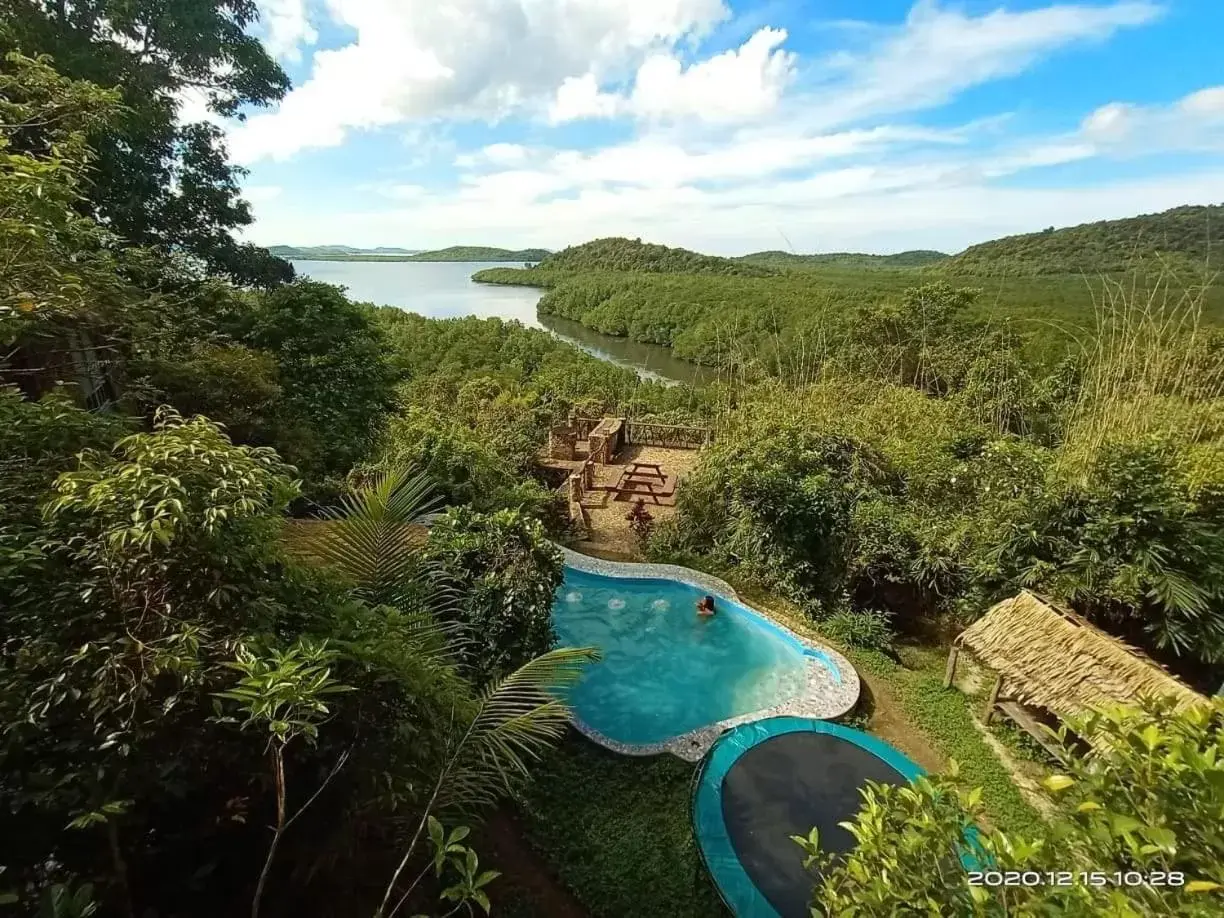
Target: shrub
[
  {"x": 868, "y": 629},
  {"x": 641, "y": 521},
  {"x": 1146, "y": 804},
  {"x": 508, "y": 573}
]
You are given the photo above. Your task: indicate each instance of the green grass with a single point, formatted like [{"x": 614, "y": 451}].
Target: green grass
[
  {"x": 946, "y": 717},
  {"x": 618, "y": 832}
]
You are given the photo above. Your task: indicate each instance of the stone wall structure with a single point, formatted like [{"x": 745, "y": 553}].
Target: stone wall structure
[{"x": 562, "y": 440}]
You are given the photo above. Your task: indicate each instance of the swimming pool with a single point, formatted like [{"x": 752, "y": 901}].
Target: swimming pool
[{"x": 665, "y": 671}]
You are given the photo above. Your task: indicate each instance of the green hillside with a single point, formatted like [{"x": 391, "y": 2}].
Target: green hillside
[
  {"x": 789, "y": 261},
  {"x": 481, "y": 253},
  {"x": 633, "y": 255},
  {"x": 1191, "y": 236}
]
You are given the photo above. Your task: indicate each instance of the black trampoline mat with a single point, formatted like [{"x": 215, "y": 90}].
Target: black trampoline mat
[{"x": 788, "y": 785}]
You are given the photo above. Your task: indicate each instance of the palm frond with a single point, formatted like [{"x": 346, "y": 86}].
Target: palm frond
[
  {"x": 519, "y": 718},
  {"x": 374, "y": 539}
]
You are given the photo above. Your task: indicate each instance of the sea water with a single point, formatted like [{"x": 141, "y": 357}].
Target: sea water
[{"x": 665, "y": 670}]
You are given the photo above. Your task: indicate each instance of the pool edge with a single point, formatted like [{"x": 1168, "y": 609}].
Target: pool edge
[{"x": 824, "y": 698}]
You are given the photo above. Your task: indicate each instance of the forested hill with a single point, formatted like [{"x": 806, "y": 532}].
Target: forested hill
[
  {"x": 618, "y": 254},
  {"x": 789, "y": 261},
  {"x": 481, "y": 253},
  {"x": 324, "y": 252},
  {"x": 453, "y": 253},
  {"x": 1191, "y": 234}
]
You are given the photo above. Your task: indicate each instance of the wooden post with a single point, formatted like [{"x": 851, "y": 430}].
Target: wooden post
[
  {"x": 988, "y": 714},
  {"x": 950, "y": 672}
]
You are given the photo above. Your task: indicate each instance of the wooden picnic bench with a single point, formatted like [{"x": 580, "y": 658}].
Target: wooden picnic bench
[
  {"x": 656, "y": 471},
  {"x": 637, "y": 483}
]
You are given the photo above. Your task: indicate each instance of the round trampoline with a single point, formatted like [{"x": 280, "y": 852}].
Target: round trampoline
[{"x": 765, "y": 781}]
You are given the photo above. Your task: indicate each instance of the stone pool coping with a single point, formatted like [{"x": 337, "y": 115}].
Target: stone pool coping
[{"x": 824, "y": 698}]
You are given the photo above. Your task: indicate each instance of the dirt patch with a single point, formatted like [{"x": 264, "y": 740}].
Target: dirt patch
[
  {"x": 889, "y": 722},
  {"x": 526, "y": 882}
]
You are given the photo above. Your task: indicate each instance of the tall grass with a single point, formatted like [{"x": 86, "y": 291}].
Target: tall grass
[{"x": 1151, "y": 367}]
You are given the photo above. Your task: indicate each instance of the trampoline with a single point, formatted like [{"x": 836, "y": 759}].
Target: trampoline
[{"x": 766, "y": 781}]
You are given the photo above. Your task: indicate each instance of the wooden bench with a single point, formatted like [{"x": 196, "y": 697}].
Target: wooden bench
[{"x": 1033, "y": 727}]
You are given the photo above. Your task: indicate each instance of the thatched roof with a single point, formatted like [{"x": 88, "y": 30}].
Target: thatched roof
[{"x": 1055, "y": 659}]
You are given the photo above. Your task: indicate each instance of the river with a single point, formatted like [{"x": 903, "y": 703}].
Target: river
[{"x": 445, "y": 290}]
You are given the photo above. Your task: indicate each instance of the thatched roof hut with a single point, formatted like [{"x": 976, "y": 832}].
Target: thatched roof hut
[{"x": 1054, "y": 659}]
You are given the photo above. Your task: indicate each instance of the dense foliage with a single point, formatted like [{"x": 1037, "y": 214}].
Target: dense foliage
[
  {"x": 174, "y": 682},
  {"x": 885, "y": 496},
  {"x": 1185, "y": 236},
  {"x": 1145, "y": 806},
  {"x": 507, "y": 573},
  {"x": 618, "y": 254},
  {"x": 790, "y": 261},
  {"x": 159, "y": 182},
  {"x": 481, "y": 394}
]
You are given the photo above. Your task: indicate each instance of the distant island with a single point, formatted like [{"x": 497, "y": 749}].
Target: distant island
[{"x": 453, "y": 253}]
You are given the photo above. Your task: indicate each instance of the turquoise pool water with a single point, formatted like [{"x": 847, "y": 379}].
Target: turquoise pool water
[{"x": 665, "y": 671}]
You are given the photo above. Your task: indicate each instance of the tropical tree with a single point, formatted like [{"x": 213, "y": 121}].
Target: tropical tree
[
  {"x": 376, "y": 542},
  {"x": 162, "y": 183}
]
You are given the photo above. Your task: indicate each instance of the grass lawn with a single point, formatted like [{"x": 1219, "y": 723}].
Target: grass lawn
[{"x": 617, "y": 832}]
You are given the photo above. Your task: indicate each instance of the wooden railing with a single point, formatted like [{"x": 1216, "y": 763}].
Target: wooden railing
[
  {"x": 645, "y": 433},
  {"x": 642, "y": 433},
  {"x": 584, "y": 426}
]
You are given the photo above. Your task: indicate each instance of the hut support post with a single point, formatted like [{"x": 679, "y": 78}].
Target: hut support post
[
  {"x": 988, "y": 713},
  {"x": 950, "y": 672}
]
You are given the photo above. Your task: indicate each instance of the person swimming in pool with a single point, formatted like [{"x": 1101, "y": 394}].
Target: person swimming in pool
[{"x": 705, "y": 607}]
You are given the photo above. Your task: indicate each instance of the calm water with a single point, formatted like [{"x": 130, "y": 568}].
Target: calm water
[
  {"x": 444, "y": 290},
  {"x": 665, "y": 671}
]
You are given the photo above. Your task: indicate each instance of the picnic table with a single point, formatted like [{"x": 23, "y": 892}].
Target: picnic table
[
  {"x": 639, "y": 469},
  {"x": 635, "y": 481}
]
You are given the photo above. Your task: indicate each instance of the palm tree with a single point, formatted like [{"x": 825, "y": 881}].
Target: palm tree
[{"x": 374, "y": 541}]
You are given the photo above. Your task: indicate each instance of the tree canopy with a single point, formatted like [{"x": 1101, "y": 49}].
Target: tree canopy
[{"x": 159, "y": 182}]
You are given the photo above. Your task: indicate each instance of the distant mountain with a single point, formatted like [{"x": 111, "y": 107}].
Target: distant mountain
[
  {"x": 454, "y": 253},
  {"x": 618, "y": 254},
  {"x": 1192, "y": 235},
  {"x": 481, "y": 253},
  {"x": 310, "y": 252},
  {"x": 917, "y": 258}
]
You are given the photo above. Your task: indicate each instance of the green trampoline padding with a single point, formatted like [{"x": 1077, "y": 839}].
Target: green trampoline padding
[{"x": 765, "y": 781}]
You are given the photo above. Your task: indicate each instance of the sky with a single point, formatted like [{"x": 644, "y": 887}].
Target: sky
[{"x": 728, "y": 126}]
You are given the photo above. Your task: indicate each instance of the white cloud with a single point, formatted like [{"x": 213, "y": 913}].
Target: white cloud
[
  {"x": 940, "y": 52},
  {"x": 1207, "y": 103},
  {"x": 739, "y": 84},
  {"x": 727, "y": 149},
  {"x": 581, "y": 97},
  {"x": 839, "y": 210},
  {"x": 285, "y": 28},
  {"x": 465, "y": 58},
  {"x": 1194, "y": 123}
]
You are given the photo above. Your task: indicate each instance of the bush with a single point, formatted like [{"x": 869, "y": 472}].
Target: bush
[
  {"x": 867, "y": 629},
  {"x": 508, "y": 574},
  {"x": 1147, "y": 802},
  {"x": 641, "y": 521}
]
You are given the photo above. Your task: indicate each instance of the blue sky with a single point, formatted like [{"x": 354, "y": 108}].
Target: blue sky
[{"x": 728, "y": 125}]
